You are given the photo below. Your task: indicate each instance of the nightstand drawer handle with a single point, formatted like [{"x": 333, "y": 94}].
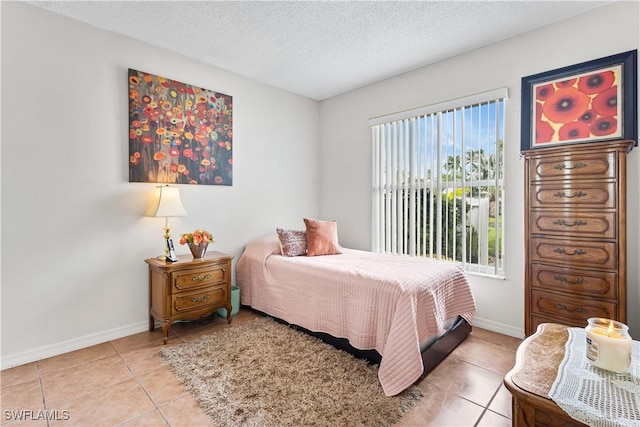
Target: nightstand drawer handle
[
  {"x": 577, "y": 194},
  {"x": 578, "y": 281},
  {"x": 199, "y": 278},
  {"x": 197, "y": 299},
  {"x": 575, "y": 310},
  {"x": 562, "y": 251},
  {"x": 561, "y": 166},
  {"x": 566, "y": 224}
]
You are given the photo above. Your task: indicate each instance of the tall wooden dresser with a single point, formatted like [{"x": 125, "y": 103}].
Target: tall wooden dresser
[{"x": 575, "y": 233}]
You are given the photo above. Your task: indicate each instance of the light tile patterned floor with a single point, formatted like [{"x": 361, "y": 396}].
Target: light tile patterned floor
[{"x": 124, "y": 383}]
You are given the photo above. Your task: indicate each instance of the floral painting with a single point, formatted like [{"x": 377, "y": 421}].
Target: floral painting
[
  {"x": 583, "y": 107},
  {"x": 592, "y": 101},
  {"x": 178, "y": 133}
]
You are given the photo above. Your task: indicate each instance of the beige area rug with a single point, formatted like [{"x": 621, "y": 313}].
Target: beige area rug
[{"x": 263, "y": 373}]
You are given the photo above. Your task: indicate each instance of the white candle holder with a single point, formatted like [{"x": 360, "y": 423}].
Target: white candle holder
[{"x": 608, "y": 345}]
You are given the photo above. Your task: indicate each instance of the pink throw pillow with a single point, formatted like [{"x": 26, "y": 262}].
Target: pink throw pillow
[{"x": 322, "y": 237}]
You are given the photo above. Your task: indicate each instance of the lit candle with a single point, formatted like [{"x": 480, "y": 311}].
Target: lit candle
[{"x": 608, "y": 345}]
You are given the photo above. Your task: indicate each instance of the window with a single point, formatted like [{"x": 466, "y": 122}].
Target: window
[{"x": 438, "y": 182}]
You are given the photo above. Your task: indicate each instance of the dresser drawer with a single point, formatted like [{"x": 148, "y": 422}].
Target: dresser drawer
[
  {"x": 568, "y": 307},
  {"x": 574, "y": 166},
  {"x": 599, "y": 284},
  {"x": 576, "y": 194},
  {"x": 195, "y": 278},
  {"x": 574, "y": 253},
  {"x": 577, "y": 223},
  {"x": 187, "y": 301}
]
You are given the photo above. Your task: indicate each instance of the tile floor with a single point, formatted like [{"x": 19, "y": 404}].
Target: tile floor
[{"x": 124, "y": 383}]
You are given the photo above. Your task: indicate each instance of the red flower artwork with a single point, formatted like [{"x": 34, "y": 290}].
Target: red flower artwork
[{"x": 577, "y": 108}]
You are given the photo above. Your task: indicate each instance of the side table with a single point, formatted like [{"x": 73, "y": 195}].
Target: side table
[
  {"x": 529, "y": 382},
  {"x": 188, "y": 289}
]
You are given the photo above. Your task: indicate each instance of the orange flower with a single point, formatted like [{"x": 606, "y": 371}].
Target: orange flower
[
  {"x": 538, "y": 111},
  {"x": 606, "y": 103},
  {"x": 573, "y": 130},
  {"x": 596, "y": 83},
  {"x": 159, "y": 155},
  {"x": 604, "y": 126},
  {"x": 544, "y": 92},
  {"x": 197, "y": 237},
  {"x": 588, "y": 116},
  {"x": 544, "y": 132},
  {"x": 566, "y": 83},
  {"x": 565, "y": 105}
]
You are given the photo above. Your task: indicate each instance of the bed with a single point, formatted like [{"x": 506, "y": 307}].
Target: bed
[{"x": 410, "y": 311}]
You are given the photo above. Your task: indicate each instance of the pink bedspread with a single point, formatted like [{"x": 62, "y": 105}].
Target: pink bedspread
[{"x": 390, "y": 303}]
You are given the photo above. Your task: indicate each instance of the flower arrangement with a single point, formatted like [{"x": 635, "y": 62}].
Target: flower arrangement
[{"x": 197, "y": 237}]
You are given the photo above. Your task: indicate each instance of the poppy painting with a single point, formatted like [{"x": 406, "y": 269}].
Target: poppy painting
[
  {"x": 588, "y": 102},
  {"x": 178, "y": 133}
]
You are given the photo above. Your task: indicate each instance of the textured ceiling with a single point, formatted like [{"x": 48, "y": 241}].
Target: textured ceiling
[{"x": 319, "y": 49}]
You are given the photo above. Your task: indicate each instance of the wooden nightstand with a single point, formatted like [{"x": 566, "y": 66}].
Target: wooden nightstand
[
  {"x": 188, "y": 289},
  {"x": 530, "y": 381}
]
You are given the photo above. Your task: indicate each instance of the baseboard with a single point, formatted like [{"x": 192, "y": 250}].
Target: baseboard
[
  {"x": 71, "y": 345},
  {"x": 500, "y": 328}
]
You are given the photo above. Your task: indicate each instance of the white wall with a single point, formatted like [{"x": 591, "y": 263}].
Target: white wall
[
  {"x": 73, "y": 234},
  {"x": 345, "y": 168}
]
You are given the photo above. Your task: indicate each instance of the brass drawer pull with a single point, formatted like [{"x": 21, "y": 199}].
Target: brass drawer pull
[
  {"x": 577, "y": 194},
  {"x": 197, "y": 299},
  {"x": 566, "y": 224},
  {"x": 562, "y": 251},
  {"x": 561, "y": 166},
  {"x": 199, "y": 278},
  {"x": 578, "y": 281},
  {"x": 575, "y": 310}
]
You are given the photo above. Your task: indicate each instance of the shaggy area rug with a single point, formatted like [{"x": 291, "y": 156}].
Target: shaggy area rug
[{"x": 264, "y": 373}]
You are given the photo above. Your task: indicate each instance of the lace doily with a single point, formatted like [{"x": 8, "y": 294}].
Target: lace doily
[{"x": 592, "y": 395}]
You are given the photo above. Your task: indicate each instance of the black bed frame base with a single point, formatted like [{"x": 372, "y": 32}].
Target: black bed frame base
[{"x": 432, "y": 355}]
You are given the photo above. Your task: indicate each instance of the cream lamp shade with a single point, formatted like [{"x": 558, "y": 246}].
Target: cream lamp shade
[{"x": 166, "y": 203}]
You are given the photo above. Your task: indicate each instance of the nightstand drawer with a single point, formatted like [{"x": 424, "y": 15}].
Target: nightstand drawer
[
  {"x": 600, "y": 284},
  {"x": 191, "y": 279},
  {"x": 562, "y": 307},
  {"x": 187, "y": 301}
]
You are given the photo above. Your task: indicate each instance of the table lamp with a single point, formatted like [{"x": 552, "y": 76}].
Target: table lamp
[{"x": 166, "y": 203}]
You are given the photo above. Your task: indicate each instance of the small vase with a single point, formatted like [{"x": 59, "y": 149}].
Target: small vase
[{"x": 198, "y": 251}]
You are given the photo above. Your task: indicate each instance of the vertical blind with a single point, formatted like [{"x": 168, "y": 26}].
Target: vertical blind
[{"x": 437, "y": 182}]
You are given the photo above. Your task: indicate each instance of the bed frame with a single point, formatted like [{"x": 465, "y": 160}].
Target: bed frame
[{"x": 432, "y": 354}]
